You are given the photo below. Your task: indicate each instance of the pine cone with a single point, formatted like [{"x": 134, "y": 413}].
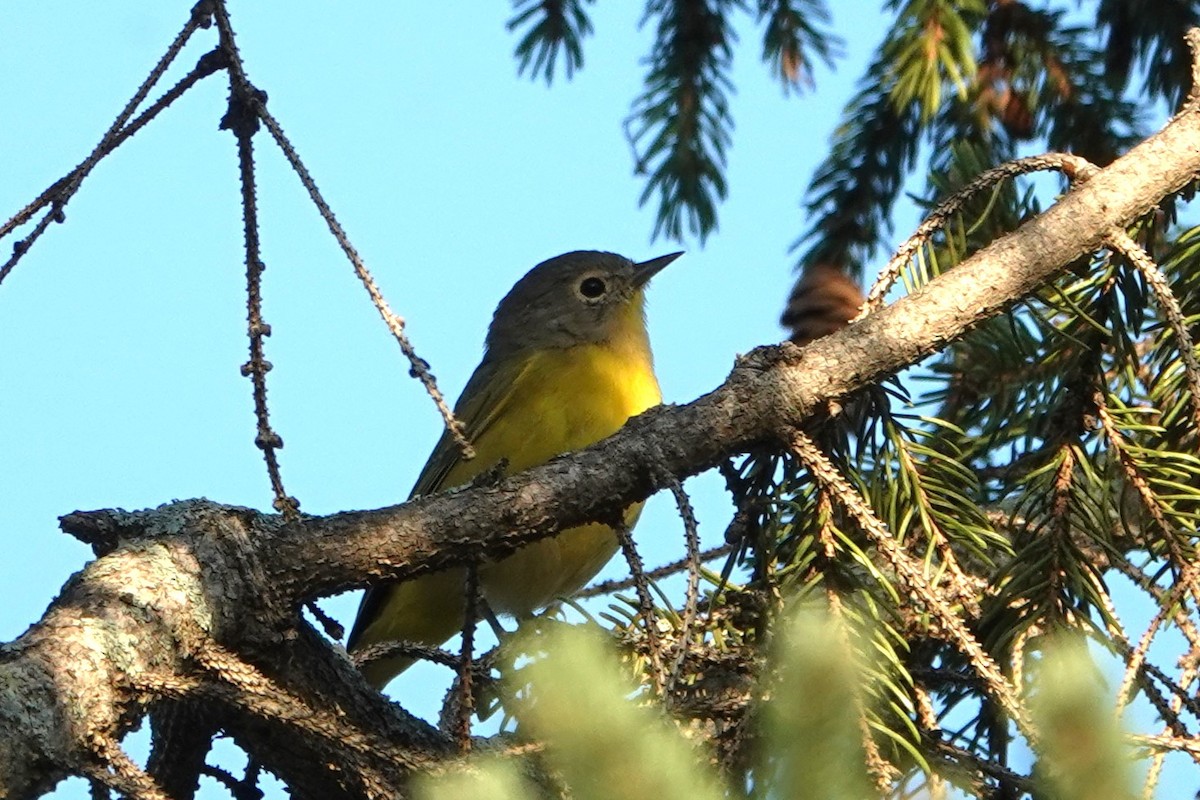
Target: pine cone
[{"x": 823, "y": 302}]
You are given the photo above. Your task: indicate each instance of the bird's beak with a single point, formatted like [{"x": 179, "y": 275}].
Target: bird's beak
[{"x": 643, "y": 272}]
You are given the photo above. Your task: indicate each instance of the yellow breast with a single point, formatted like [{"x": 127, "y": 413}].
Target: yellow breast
[
  {"x": 567, "y": 400},
  {"x": 563, "y": 400}
]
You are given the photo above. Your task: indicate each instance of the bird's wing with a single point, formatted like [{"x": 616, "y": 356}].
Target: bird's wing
[{"x": 483, "y": 400}]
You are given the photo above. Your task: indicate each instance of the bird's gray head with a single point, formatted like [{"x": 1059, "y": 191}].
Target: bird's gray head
[{"x": 577, "y": 298}]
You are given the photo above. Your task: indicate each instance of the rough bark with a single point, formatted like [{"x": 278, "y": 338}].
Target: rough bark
[{"x": 197, "y": 600}]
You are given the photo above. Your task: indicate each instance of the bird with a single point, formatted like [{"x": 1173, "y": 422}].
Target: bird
[{"x": 566, "y": 363}]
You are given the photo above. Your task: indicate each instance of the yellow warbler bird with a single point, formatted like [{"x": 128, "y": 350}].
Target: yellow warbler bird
[{"x": 567, "y": 362}]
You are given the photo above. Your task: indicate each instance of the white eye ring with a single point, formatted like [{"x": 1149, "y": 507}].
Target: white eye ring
[{"x": 592, "y": 288}]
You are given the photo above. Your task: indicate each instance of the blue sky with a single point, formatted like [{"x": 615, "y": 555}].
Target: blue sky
[{"x": 122, "y": 332}]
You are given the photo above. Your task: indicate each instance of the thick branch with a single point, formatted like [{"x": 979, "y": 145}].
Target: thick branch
[{"x": 188, "y": 581}]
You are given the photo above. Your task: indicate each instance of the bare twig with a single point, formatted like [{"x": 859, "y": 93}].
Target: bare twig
[
  {"x": 466, "y": 667},
  {"x": 645, "y": 601},
  {"x": 965, "y": 759},
  {"x": 62, "y": 190},
  {"x": 21, "y": 247},
  {"x": 245, "y": 788},
  {"x": 243, "y": 123},
  {"x": 692, "y": 598},
  {"x": 208, "y": 64},
  {"x": 398, "y": 649},
  {"x": 333, "y": 629},
  {"x": 666, "y": 570}
]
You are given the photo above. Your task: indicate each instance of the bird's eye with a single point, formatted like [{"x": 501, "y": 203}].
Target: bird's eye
[{"x": 592, "y": 288}]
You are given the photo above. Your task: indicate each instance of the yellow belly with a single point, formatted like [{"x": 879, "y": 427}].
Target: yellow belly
[
  {"x": 534, "y": 576},
  {"x": 558, "y": 401}
]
